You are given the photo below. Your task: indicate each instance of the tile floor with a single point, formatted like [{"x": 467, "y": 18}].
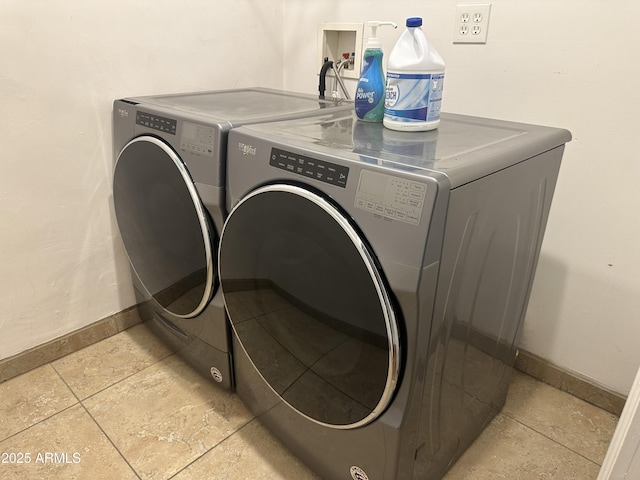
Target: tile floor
[{"x": 127, "y": 408}]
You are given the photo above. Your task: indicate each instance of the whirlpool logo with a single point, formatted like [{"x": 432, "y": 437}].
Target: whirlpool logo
[
  {"x": 246, "y": 149},
  {"x": 358, "y": 474}
]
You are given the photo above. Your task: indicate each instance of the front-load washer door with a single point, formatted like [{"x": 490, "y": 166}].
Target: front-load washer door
[
  {"x": 165, "y": 228},
  {"x": 309, "y": 305}
]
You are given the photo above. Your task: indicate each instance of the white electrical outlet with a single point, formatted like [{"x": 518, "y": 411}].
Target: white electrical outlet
[{"x": 471, "y": 23}]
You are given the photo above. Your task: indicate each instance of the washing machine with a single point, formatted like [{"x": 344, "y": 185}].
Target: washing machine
[
  {"x": 168, "y": 194},
  {"x": 376, "y": 283}
]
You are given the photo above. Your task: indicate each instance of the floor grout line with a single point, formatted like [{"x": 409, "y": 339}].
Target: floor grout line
[
  {"x": 81, "y": 402},
  {"x": 40, "y": 421},
  {"x": 65, "y": 382},
  {"x": 212, "y": 448},
  {"x": 549, "y": 438},
  {"x": 53, "y": 414},
  {"x": 135, "y": 472},
  {"x": 125, "y": 378}
]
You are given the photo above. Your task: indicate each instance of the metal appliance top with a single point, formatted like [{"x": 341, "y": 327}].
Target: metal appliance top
[
  {"x": 241, "y": 106},
  {"x": 464, "y": 148}
]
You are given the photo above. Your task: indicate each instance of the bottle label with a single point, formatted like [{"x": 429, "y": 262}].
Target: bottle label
[{"x": 414, "y": 97}]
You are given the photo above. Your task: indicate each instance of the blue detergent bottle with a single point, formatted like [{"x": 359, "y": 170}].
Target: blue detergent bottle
[{"x": 370, "y": 92}]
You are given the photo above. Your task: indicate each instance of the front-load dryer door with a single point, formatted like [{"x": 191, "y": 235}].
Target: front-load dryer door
[
  {"x": 164, "y": 226},
  {"x": 309, "y": 305}
]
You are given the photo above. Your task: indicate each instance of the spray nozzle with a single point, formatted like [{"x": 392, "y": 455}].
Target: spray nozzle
[{"x": 373, "y": 39}]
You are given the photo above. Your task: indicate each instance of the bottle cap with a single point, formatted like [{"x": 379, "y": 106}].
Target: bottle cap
[{"x": 414, "y": 22}]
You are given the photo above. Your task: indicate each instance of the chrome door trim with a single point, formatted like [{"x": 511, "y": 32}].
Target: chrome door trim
[
  {"x": 202, "y": 220},
  {"x": 393, "y": 336}
]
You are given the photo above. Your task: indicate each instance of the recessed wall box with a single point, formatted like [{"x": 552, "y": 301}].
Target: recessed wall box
[{"x": 336, "y": 39}]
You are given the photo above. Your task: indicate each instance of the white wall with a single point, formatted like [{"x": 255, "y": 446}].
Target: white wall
[
  {"x": 62, "y": 63},
  {"x": 569, "y": 64}
]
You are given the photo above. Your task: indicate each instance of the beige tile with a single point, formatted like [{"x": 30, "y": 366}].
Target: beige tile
[
  {"x": 57, "y": 348},
  {"x": 31, "y": 397},
  {"x": 560, "y": 416},
  {"x": 508, "y": 450},
  {"x": 98, "y": 366},
  {"x": 166, "y": 416},
  {"x": 72, "y": 342},
  {"x": 610, "y": 401},
  {"x": 67, "y": 446},
  {"x": 251, "y": 453},
  {"x": 127, "y": 318},
  {"x": 538, "y": 368},
  {"x": 570, "y": 382}
]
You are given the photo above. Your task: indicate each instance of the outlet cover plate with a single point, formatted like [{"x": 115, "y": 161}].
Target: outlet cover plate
[{"x": 471, "y": 23}]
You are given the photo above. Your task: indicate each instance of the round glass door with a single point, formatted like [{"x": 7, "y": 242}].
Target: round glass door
[
  {"x": 164, "y": 226},
  {"x": 309, "y": 306}
]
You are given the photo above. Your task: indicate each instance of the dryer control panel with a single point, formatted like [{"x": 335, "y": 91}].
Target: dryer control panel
[{"x": 390, "y": 196}]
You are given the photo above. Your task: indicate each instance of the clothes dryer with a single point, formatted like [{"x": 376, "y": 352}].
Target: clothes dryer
[
  {"x": 169, "y": 200},
  {"x": 376, "y": 282}
]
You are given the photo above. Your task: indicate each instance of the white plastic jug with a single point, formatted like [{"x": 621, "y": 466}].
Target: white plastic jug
[{"x": 415, "y": 78}]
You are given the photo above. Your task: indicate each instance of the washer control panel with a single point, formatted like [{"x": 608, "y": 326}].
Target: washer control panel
[
  {"x": 391, "y": 197},
  {"x": 156, "y": 122}
]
